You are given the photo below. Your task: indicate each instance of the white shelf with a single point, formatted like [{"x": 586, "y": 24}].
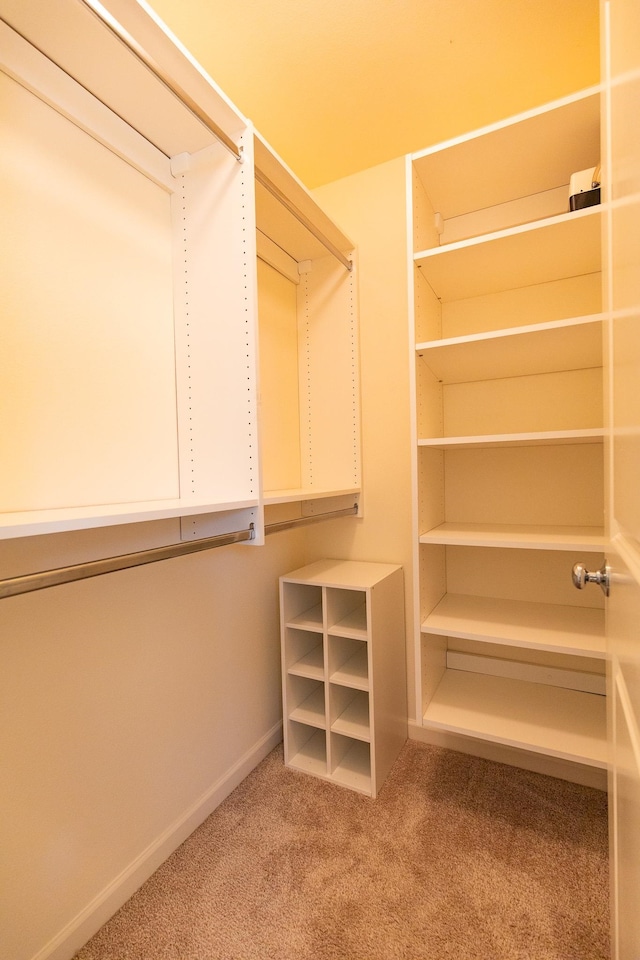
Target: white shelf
[
  {"x": 536, "y": 626},
  {"x": 544, "y": 438},
  {"x": 508, "y": 159},
  {"x": 354, "y": 770},
  {"x": 354, "y": 672},
  {"x": 312, "y": 757},
  {"x": 297, "y": 494},
  {"x": 521, "y": 536},
  {"x": 354, "y": 625},
  {"x": 311, "y": 665},
  {"x": 311, "y": 710},
  {"x": 311, "y": 619},
  {"x": 560, "y": 723},
  {"x": 559, "y": 247},
  {"x": 354, "y": 720},
  {"x": 573, "y": 344}
]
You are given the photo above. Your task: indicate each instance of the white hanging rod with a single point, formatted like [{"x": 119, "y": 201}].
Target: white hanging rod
[
  {"x": 303, "y": 219},
  {"x": 172, "y": 85},
  {"x": 30, "y": 582}
]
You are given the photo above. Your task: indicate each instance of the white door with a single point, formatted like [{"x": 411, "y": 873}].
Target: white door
[{"x": 621, "y": 166}]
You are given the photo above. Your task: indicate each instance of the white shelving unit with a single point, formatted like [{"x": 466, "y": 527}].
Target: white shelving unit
[
  {"x": 137, "y": 200},
  {"x": 343, "y": 671},
  {"x": 507, "y": 328},
  {"x": 308, "y": 328}
]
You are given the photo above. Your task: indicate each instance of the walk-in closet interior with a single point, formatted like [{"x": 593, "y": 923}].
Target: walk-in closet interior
[{"x": 314, "y": 418}]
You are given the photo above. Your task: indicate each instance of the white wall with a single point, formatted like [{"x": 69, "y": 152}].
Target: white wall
[
  {"x": 371, "y": 208},
  {"x": 130, "y": 704}
]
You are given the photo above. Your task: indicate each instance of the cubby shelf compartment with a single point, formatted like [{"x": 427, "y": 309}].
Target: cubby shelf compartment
[
  {"x": 353, "y": 720},
  {"x": 536, "y": 626},
  {"x": 567, "y": 724},
  {"x": 351, "y": 766},
  {"x": 347, "y": 676},
  {"x": 308, "y": 752},
  {"x": 310, "y": 665}
]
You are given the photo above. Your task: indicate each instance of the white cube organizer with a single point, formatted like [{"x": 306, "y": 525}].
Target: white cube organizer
[{"x": 344, "y": 671}]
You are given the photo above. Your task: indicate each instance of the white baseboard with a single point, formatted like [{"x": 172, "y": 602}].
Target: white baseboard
[
  {"x": 83, "y": 926},
  {"x": 501, "y": 753}
]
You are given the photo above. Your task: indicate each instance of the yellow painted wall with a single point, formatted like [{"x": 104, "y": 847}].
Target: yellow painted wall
[
  {"x": 337, "y": 86},
  {"x": 370, "y": 207},
  {"x": 129, "y": 704}
]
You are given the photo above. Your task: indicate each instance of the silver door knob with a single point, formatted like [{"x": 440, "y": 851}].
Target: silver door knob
[{"x": 581, "y": 576}]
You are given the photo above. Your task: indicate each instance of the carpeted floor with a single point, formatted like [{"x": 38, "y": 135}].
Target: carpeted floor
[{"x": 457, "y": 858}]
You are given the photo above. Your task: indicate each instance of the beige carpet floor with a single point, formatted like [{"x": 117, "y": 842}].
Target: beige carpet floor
[{"x": 457, "y": 858}]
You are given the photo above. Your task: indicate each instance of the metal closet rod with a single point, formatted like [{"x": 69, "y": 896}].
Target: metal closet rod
[
  {"x": 31, "y": 582},
  {"x": 303, "y": 219},
  {"x": 118, "y": 31}
]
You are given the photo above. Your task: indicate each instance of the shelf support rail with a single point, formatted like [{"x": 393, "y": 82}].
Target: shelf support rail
[
  {"x": 134, "y": 47},
  {"x": 303, "y": 219},
  {"x": 31, "y": 582}
]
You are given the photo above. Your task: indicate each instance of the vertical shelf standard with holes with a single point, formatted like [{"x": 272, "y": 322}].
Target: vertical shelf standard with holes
[
  {"x": 508, "y": 460},
  {"x": 344, "y": 671}
]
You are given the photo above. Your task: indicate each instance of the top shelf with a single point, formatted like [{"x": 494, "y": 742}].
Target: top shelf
[
  {"x": 74, "y": 37},
  {"x": 503, "y": 161}
]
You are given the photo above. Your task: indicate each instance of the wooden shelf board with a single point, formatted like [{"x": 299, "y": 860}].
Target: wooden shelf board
[
  {"x": 537, "y": 626},
  {"x": 311, "y": 665},
  {"x": 311, "y": 619},
  {"x": 354, "y": 720},
  {"x": 354, "y": 672},
  {"x": 518, "y": 536},
  {"x": 564, "y": 246},
  {"x": 561, "y": 723},
  {"x": 559, "y": 345},
  {"x": 311, "y": 710},
  {"x": 534, "y": 439}
]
